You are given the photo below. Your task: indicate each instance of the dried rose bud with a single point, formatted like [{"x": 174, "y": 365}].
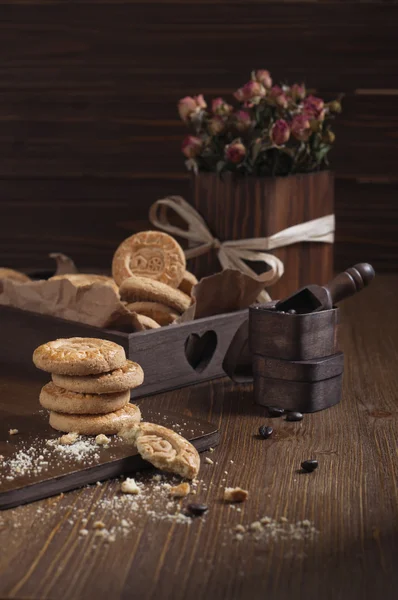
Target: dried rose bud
[
  {"x": 334, "y": 106},
  {"x": 216, "y": 125},
  {"x": 200, "y": 102},
  {"x": 300, "y": 127},
  {"x": 328, "y": 137},
  {"x": 239, "y": 95},
  {"x": 263, "y": 77},
  {"x": 297, "y": 91},
  {"x": 253, "y": 89},
  {"x": 278, "y": 96},
  {"x": 314, "y": 107},
  {"x": 191, "y": 146},
  {"x": 186, "y": 107},
  {"x": 280, "y": 132},
  {"x": 243, "y": 120},
  {"x": 235, "y": 152},
  {"x": 220, "y": 107}
]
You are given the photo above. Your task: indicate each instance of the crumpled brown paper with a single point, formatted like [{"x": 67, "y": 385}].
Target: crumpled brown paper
[
  {"x": 96, "y": 304},
  {"x": 99, "y": 305}
]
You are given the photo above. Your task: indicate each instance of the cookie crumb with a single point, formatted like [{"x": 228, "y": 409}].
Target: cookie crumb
[
  {"x": 283, "y": 520},
  {"x": 13, "y": 431},
  {"x": 83, "y": 532},
  {"x": 240, "y": 529},
  {"x": 239, "y": 537},
  {"x": 124, "y": 523},
  {"x": 209, "y": 461},
  {"x": 235, "y": 494},
  {"x": 102, "y": 440},
  {"x": 129, "y": 486},
  {"x": 98, "y": 525},
  {"x": 211, "y": 449},
  {"x": 266, "y": 520},
  {"x": 180, "y": 491},
  {"x": 255, "y": 526},
  {"x": 68, "y": 439}
]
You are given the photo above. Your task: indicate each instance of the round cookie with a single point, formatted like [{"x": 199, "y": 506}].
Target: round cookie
[
  {"x": 95, "y": 424},
  {"x": 163, "y": 448},
  {"x": 82, "y": 279},
  {"x": 57, "y": 399},
  {"x": 14, "y": 275},
  {"x": 162, "y": 314},
  {"x": 127, "y": 377},
  {"x": 187, "y": 283},
  {"x": 135, "y": 289},
  {"x": 151, "y": 254},
  {"x": 79, "y": 356}
]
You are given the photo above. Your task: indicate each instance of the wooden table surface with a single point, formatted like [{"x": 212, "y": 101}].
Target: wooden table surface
[{"x": 352, "y": 499}]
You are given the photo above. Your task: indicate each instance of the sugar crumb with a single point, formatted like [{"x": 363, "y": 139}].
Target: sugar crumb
[
  {"x": 13, "y": 431},
  {"x": 209, "y": 461}
]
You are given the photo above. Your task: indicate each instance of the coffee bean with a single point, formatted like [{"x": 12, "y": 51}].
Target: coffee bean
[
  {"x": 275, "y": 411},
  {"x": 197, "y": 509},
  {"x": 309, "y": 465},
  {"x": 291, "y": 311},
  {"x": 294, "y": 416},
  {"x": 265, "y": 431}
]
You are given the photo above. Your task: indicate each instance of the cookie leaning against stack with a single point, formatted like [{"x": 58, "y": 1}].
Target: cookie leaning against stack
[
  {"x": 90, "y": 389},
  {"x": 150, "y": 269}
]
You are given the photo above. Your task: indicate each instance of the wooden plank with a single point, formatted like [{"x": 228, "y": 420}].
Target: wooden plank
[
  {"x": 84, "y": 218},
  {"x": 366, "y": 224},
  {"x": 352, "y": 498},
  {"x": 142, "y": 38}
]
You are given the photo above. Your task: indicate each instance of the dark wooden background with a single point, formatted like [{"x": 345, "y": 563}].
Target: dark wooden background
[{"x": 89, "y": 132}]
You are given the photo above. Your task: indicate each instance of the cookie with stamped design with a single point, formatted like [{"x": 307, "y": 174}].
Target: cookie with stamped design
[
  {"x": 108, "y": 424},
  {"x": 128, "y": 376},
  {"x": 58, "y": 399},
  {"x": 163, "y": 448},
  {"x": 150, "y": 254},
  {"x": 79, "y": 356},
  {"x": 140, "y": 289}
]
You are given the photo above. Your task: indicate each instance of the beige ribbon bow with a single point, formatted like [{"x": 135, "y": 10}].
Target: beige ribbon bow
[{"x": 232, "y": 254}]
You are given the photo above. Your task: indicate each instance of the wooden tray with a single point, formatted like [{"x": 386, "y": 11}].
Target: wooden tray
[
  {"x": 172, "y": 357},
  {"x": 63, "y": 474}
]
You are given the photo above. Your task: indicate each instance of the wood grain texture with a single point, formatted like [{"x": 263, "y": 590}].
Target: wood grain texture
[
  {"x": 352, "y": 497},
  {"x": 256, "y": 207}
]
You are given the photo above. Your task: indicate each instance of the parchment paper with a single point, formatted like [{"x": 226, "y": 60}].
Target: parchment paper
[{"x": 99, "y": 304}]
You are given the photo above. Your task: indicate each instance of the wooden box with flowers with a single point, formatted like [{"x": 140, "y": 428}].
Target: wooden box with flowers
[{"x": 261, "y": 183}]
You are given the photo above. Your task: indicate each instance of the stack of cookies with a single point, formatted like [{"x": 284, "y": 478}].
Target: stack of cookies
[
  {"x": 150, "y": 269},
  {"x": 90, "y": 389}
]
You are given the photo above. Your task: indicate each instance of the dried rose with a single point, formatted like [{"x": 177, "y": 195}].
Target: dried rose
[
  {"x": 252, "y": 91},
  {"x": 314, "y": 107},
  {"x": 191, "y": 146},
  {"x": 300, "y": 127},
  {"x": 278, "y": 96},
  {"x": 263, "y": 77},
  {"x": 200, "y": 102},
  {"x": 297, "y": 91},
  {"x": 188, "y": 106},
  {"x": 243, "y": 120},
  {"x": 217, "y": 125},
  {"x": 280, "y": 132},
  {"x": 235, "y": 152},
  {"x": 220, "y": 107}
]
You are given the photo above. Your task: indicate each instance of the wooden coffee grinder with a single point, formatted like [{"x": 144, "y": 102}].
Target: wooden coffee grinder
[{"x": 292, "y": 345}]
